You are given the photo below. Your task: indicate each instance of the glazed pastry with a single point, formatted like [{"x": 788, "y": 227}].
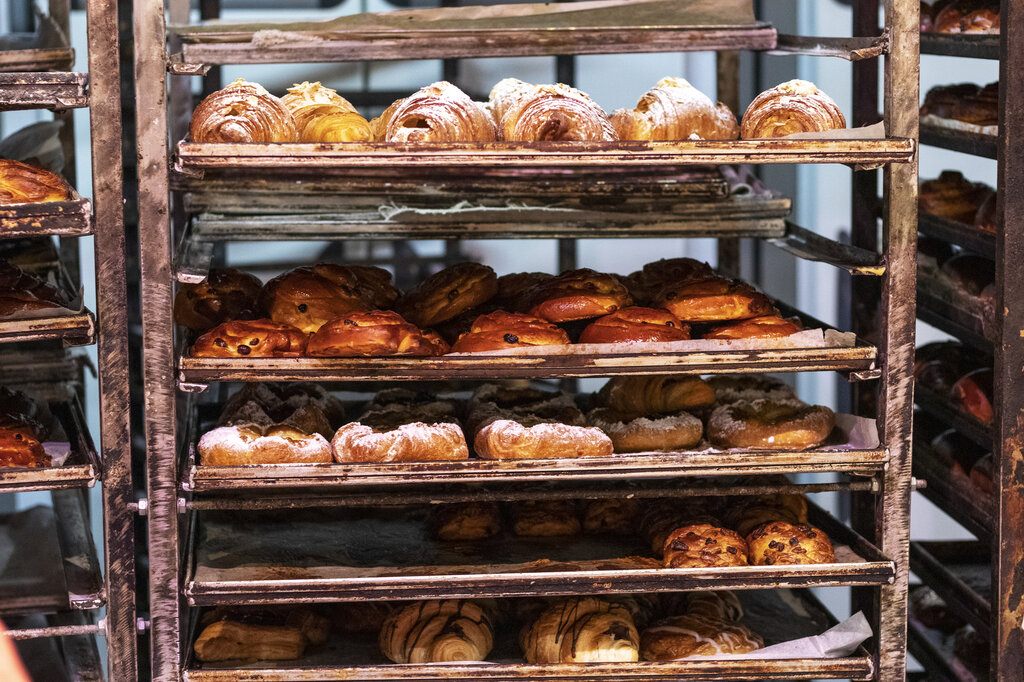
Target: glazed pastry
[
  {"x": 616, "y": 516},
  {"x": 265, "y": 635},
  {"x": 770, "y": 425},
  {"x": 796, "y": 106},
  {"x": 251, "y": 339},
  {"x": 781, "y": 543},
  {"x": 628, "y": 433},
  {"x": 973, "y": 393},
  {"x": 581, "y": 630},
  {"x": 545, "y": 518},
  {"x": 762, "y": 327},
  {"x": 713, "y": 300},
  {"x": 225, "y": 294},
  {"x": 437, "y": 113},
  {"x": 655, "y": 394},
  {"x": 645, "y": 285},
  {"x": 554, "y": 112},
  {"x": 21, "y": 442},
  {"x": 730, "y": 388},
  {"x": 512, "y": 287},
  {"x": 953, "y": 197},
  {"x": 541, "y": 434},
  {"x": 577, "y": 295},
  {"x": 970, "y": 273},
  {"x": 695, "y": 635},
  {"x": 256, "y": 444},
  {"x": 675, "y": 110},
  {"x": 636, "y": 325},
  {"x": 402, "y": 434},
  {"x": 437, "y": 632},
  {"x": 372, "y": 334},
  {"x": 22, "y": 183},
  {"x": 242, "y": 112},
  {"x": 500, "y": 330},
  {"x": 448, "y": 293},
  {"x": 704, "y": 546},
  {"x": 322, "y": 115},
  {"x": 466, "y": 521}
]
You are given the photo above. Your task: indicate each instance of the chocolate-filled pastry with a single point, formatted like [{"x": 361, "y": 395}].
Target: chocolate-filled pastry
[
  {"x": 655, "y": 394},
  {"x": 402, "y": 434},
  {"x": 731, "y": 388},
  {"x": 983, "y": 475},
  {"x": 752, "y": 512},
  {"x": 780, "y": 543},
  {"x": 616, "y": 516},
  {"x": 636, "y": 325},
  {"x": 970, "y": 273},
  {"x": 581, "y": 630},
  {"x": 437, "y": 632},
  {"x": 225, "y": 294},
  {"x": 500, "y": 331},
  {"x": 448, "y": 293},
  {"x": 762, "y": 327},
  {"x": 796, "y": 106},
  {"x": 242, "y": 112},
  {"x": 439, "y": 112},
  {"x": 932, "y": 611},
  {"x": 952, "y": 196},
  {"x": 554, "y": 112},
  {"x": 544, "y": 432},
  {"x": 373, "y": 334},
  {"x": 21, "y": 442},
  {"x": 629, "y": 433},
  {"x": 465, "y": 521},
  {"x": 704, "y": 546},
  {"x": 322, "y": 115},
  {"x": 973, "y": 393},
  {"x": 22, "y": 183},
  {"x": 545, "y": 518},
  {"x": 251, "y": 339},
  {"x": 645, "y": 284},
  {"x": 675, "y": 110},
  {"x": 695, "y": 635},
  {"x": 577, "y": 295},
  {"x": 770, "y": 425},
  {"x": 264, "y": 635},
  {"x": 714, "y": 300},
  {"x": 257, "y": 444}
]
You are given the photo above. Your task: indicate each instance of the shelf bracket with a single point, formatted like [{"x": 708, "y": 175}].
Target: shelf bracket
[
  {"x": 850, "y": 49},
  {"x": 807, "y": 245}
]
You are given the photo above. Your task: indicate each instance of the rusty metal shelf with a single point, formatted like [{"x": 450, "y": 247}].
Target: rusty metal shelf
[
  {"x": 57, "y": 91},
  {"x": 71, "y": 330},
  {"x": 978, "y": 46},
  {"x": 961, "y": 574},
  {"x": 61, "y": 218},
  {"x": 967, "y": 236},
  {"x": 966, "y": 324},
  {"x": 950, "y": 496},
  {"x": 962, "y": 141},
  {"x": 936, "y": 655},
  {"x": 939, "y": 407},
  {"x": 53, "y": 653},
  {"x": 36, "y": 59}
]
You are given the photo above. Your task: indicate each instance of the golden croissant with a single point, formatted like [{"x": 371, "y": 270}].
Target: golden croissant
[
  {"x": 21, "y": 183},
  {"x": 675, "y": 110},
  {"x": 554, "y": 112},
  {"x": 438, "y": 632},
  {"x": 242, "y": 112},
  {"x": 322, "y": 115},
  {"x": 581, "y": 630},
  {"x": 796, "y": 106},
  {"x": 506, "y": 93},
  {"x": 264, "y": 636},
  {"x": 437, "y": 113}
]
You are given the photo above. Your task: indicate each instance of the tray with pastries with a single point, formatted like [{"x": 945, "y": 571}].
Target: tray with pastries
[
  {"x": 956, "y": 292},
  {"x": 953, "y": 209},
  {"x": 942, "y": 642},
  {"x": 45, "y": 49},
  {"x": 36, "y": 202},
  {"x": 960, "y": 573},
  {"x": 628, "y": 637},
  {"x": 540, "y": 547},
  {"x": 963, "y": 117},
  {"x": 953, "y": 384},
  {"x": 961, "y": 28},
  {"x": 524, "y": 130},
  {"x": 37, "y": 299}
]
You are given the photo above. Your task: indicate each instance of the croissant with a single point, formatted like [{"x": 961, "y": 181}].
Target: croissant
[
  {"x": 438, "y": 632},
  {"x": 322, "y": 115},
  {"x": 242, "y": 112},
  {"x": 437, "y": 113},
  {"x": 504, "y": 94},
  {"x": 552, "y": 112},
  {"x": 581, "y": 630},
  {"x": 796, "y": 106},
  {"x": 675, "y": 110},
  {"x": 21, "y": 183}
]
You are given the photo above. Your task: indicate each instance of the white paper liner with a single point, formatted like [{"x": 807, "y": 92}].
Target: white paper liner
[
  {"x": 58, "y": 452},
  {"x": 837, "y": 642},
  {"x": 953, "y": 124},
  {"x": 871, "y": 132}
]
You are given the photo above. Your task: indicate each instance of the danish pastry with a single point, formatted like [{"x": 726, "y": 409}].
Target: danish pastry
[
  {"x": 258, "y": 444},
  {"x": 242, "y": 112},
  {"x": 448, "y": 293},
  {"x": 696, "y": 635},
  {"x": 753, "y": 512},
  {"x": 655, "y": 394},
  {"x": 764, "y": 424},
  {"x": 796, "y": 106},
  {"x": 267, "y": 635},
  {"x": 500, "y": 330},
  {"x": 22, "y": 183},
  {"x": 322, "y": 115},
  {"x": 374, "y": 333},
  {"x": 437, "y": 632},
  {"x": 761, "y": 327},
  {"x": 439, "y": 112},
  {"x": 403, "y": 434},
  {"x": 466, "y": 521},
  {"x": 545, "y": 518},
  {"x": 581, "y": 630},
  {"x": 715, "y": 299},
  {"x": 225, "y": 294},
  {"x": 251, "y": 339},
  {"x": 555, "y": 112},
  {"x": 675, "y": 110},
  {"x": 577, "y": 295},
  {"x": 628, "y": 433},
  {"x": 781, "y": 543},
  {"x": 704, "y": 546},
  {"x": 636, "y": 325}
]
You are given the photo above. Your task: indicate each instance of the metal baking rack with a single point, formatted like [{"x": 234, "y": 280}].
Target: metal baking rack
[
  {"x": 197, "y": 180},
  {"x": 959, "y": 572},
  {"x": 970, "y": 237},
  {"x": 72, "y": 218},
  {"x": 962, "y": 504},
  {"x": 46, "y": 49}
]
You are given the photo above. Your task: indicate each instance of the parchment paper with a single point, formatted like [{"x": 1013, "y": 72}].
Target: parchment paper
[
  {"x": 871, "y": 132},
  {"x": 837, "y": 642},
  {"x": 953, "y": 124}
]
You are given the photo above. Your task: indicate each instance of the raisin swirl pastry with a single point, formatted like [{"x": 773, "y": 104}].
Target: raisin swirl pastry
[
  {"x": 439, "y": 112},
  {"x": 438, "y": 632},
  {"x": 322, "y": 115},
  {"x": 714, "y": 299},
  {"x": 554, "y": 112},
  {"x": 646, "y": 284},
  {"x": 22, "y": 183},
  {"x": 581, "y": 630},
  {"x": 242, "y": 112},
  {"x": 675, "y": 110},
  {"x": 224, "y": 294},
  {"x": 577, "y": 295},
  {"x": 781, "y": 543},
  {"x": 500, "y": 331},
  {"x": 796, "y": 106},
  {"x": 760, "y": 327},
  {"x": 251, "y": 339}
]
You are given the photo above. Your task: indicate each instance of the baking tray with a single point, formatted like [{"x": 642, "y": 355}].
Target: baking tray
[
  {"x": 960, "y": 573},
  {"x": 969, "y": 237},
  {"x": 56, "y": 90},
  {"x": 964, "y": 141},
  {"x": 975, "y": 46},
  {"x": 964, "y": 505},
  {"x": 72, "y": 218}
]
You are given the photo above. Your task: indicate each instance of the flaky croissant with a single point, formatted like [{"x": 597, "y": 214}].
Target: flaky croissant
[
  {"x": 437, "y": 113},
  {"x": 242, "y": 112},
  {"x": 675, "y": 110},
  {"x": 437, "y": 632},
  {"x": 21, "y": 183},
  {"x": 322, "y": 115},
  {"x": 795, "y": 106},
  {"x": 551, "y": 112},
  {"x": 504, "y": 94},
  {"x": 581, "y": 630}
]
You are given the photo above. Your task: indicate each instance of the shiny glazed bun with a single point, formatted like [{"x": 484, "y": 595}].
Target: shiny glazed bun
[
  {"x": 373, "y": 333},
  {"x": 251, "y": 339}
]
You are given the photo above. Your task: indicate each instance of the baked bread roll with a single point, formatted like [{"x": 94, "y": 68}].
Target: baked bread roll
[
  {"x": 322, "y": 115},
  {"x": 264, "y": 635},
  {"x": 704, "y": 546},
  {"x": 538, "y": 436},
  {"x": 629, "y": 433},
  {"x": 410, "y": 434},
  {"x": 545, "y": 518},
  {"x": 730, "y": 388},
  {"x": 439, "y": 112},
  {"x": 225, "y": 294},
  {"x": 952, "y": 196},
  {"x": 675, "y": 110},
  {"x": 553, "y": 112},
  {"x": 465, "y": 521},
  {"x": 655, "y": 394},
  {"x": 448, "y": 293},
  {"x": 645, "y": 284},
  {"x": 796, "y": 106},
  {"x": 695, "y": 635},
  {"x": 781, "y": 543},
  {"x": 577, "y": 295},
  {"x": 22, "y": 183},
  {"x": 770, "y": 425},
  {"x": 581, "y": 630},
  {"x": 616, "y": 516},
  {"x": 636, "y": 325},
  {"x": 973, "y": 394},
  {"x": 257, "y": 444},
  {"x": 373, "y": 334},
  {"x": 761, "y": 327},
  {"x": 21, "y": 442},
  {"x": 500, "y": 330},
  {"x": 251, "y": 339},
  {"x": 437, "y": 632},
  {"x": 713, "y": 300},
  {"x": 242, "y": 112}
]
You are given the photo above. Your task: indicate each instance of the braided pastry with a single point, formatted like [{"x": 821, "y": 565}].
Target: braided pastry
[
  {"x": 535, "y": 437},
  {"x": 257, "y": 444},
  {"x": 242, "y": 112},
  {"x": 437, "y": 632},
  {"x": 554, "y": 113},
  {"x": 581, "y": 630},
  {"x": 795, "y": 106},
  {"x": 402, "y": 434},
  {"x": 675, "y": 110},
  {"x": 22, "y": 183},
  {"x": 437, "y": 113},
  {"x": 251, "y": 339},
  {"x": 322, "y": 115}
]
